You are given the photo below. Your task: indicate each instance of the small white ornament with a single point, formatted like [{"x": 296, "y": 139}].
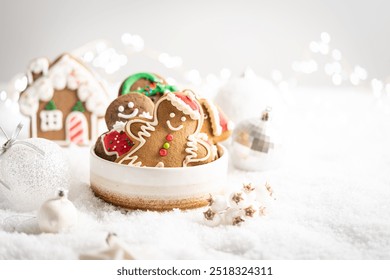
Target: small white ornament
[
  {"x": 57, "y": 214},
  {"x": 218, "y": 203},
  {"x": 116, "y": 250},
  {"x": 234, "y": 217},
  {"x": 238, "y": 199},
  {"x": 249, "y": 190},
  {"x": 251, "y": 211},
  {"x": 212, "y": 218},
  {"x": 249, "y": 203}
]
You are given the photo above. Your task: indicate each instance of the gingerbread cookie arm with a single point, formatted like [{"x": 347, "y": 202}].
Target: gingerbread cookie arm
[
  {"x": 192, "y": 149},
  {"x": 133, "y": 129},
  {"x": 137, "y": 129}
]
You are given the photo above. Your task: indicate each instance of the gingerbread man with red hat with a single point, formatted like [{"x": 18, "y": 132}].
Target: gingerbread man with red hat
[{"x": 172, "y": 138}]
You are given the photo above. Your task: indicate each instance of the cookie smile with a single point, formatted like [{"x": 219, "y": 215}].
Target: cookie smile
[
  {"x": 132, "y": 115},
  {"x": 174, "y": 128}
]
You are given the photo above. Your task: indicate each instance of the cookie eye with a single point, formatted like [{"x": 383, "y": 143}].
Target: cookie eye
[
  {"x": 130, "y": 105},
  {"x": 183, "y": 119},
  {"x": 121, "y": 108},
  {"x": 205, "y": 116},
  {"x": 172, "y": 115}
]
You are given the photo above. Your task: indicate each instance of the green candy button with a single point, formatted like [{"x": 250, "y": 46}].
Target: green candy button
[{"x": 166, "y": 145}]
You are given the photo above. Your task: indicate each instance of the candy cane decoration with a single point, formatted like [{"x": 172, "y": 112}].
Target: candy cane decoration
[{"x": 77, "y": 128}]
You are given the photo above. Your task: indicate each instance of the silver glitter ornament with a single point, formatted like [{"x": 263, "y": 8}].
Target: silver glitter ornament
[
  {"x": 29, "y": 177},
  {"x": 256, "y": 144}
]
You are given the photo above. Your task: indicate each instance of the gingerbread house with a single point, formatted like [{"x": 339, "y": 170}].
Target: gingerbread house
[{"x": 64, "y": 101}]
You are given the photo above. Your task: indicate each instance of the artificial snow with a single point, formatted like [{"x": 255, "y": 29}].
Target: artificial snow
[{"x": 332, "y": 190}]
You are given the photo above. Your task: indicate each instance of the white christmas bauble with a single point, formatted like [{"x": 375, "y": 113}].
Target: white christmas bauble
[
  {"x": 57, "y": 214},
  {"x": 238, "y": 200},
  {"x": 256, "y": 144},
  {"x": 244, "y": 97},
  {"x": 32, "y": 177},
  {"x": 252, "y": 210},
  {"x": 212, "y": 218},
  {"x": 218, "y": 203},
  {"x": 234, "y": 216}
]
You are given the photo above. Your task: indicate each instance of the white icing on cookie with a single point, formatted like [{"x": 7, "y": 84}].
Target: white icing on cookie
[
  {"x": 83, "y": 92},
  {"x": 214, "y": 118},
  {"x": 76, "y": 128},
  {"x": 66, "y": 72},
  {"x": 149, "y": 126},
  {"x": 182, "y": 106},
  {"x": 51, "y": 120},
  {"x": 45, "y": 89},
  {"x": 230, "y": 125},
  {"x": 119, "y": 126},
  {"x": 146, "y": 115},
  {"x": 39, "y": 65},
  {"x": 171, "y": 127},
  {"x": 58, "y": 80},
  {"x": 192, "y": 148},
  {"x": 144, "y": 133},
  {"x": 129, "y": 116},
  {"x": 72, "y": 83}
]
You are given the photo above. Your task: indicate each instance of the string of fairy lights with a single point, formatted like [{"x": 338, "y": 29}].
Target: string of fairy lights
[{"x": 319, "y": 57}]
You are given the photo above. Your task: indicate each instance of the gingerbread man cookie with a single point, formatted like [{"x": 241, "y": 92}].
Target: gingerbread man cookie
[
  {"x": 128, "y": 106},
  {"x": 216, "y": 125},
  {"x": 149, "y": 84},
  {"x": 172, "y": 138}
]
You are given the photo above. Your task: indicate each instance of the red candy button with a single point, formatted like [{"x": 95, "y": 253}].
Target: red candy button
[
  {"x": 169, "y": 137},
  {"x": 163, "y": 152}
]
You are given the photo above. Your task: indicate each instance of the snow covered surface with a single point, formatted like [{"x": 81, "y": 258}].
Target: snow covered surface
[{"x": 333, "y": 193}]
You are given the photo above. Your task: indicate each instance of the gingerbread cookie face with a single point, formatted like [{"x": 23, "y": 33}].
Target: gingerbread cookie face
[
  {"x": 128, "y": 106},
  {"x": 171, "y": 138},
  {"x": 149, "y": 84},
  {"x": 215, "y": 125}
]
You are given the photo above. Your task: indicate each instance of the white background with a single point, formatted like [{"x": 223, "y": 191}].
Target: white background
[
  {"x": 333, "y": 186},
  {"x": 208, "y": 35}
]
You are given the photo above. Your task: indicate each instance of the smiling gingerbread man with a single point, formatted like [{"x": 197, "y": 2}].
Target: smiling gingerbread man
[{"x": 172, "y": 138}]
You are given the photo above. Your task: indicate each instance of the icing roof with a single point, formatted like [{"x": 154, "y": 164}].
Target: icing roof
[{"x": 65, "y": 72}]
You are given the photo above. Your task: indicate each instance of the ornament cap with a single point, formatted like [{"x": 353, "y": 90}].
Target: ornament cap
[
  {"x": 62, "y": 193},
  {"x": 265, "y": 115}
]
